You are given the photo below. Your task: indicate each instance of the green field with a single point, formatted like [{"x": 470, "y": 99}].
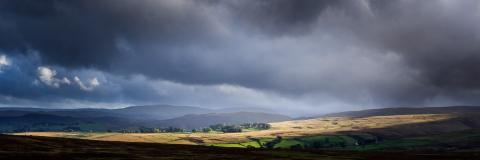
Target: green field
[
  {"x": 361, "y": 142},
  {"x": 249, "y": 144},
  {"x": 321, "y": 141}
]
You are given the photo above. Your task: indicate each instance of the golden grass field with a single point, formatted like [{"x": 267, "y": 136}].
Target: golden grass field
[{"x": 293, "y": 128}]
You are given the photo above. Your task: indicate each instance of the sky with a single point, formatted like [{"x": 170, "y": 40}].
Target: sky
[{"x": 292, "y": 56}]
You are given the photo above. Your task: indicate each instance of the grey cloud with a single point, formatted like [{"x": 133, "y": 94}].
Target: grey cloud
[
  {"x": 23, "y": 87},
  {"x": 365, "y": 53},
  {"x": 440, "y": 39},
  {"x": 278, "y": 17}
]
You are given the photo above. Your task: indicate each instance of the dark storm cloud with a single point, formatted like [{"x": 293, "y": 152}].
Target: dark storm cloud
[
  {"x": 161, "y": 39},
  {"x": 279, "y": 17},
  {"x": 83, "y": 33},
  {"x": 365, "y": 53},
  {"x": 437, "y": 39},
  {"x": 440, "y": 39}
]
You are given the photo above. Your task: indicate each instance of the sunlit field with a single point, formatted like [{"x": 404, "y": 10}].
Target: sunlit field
[{"x": 295, "y": 128}]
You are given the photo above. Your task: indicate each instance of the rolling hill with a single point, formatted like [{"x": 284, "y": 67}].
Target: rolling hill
[
  {"x": 446, "y": 131},
  {"x": 159, "y": 112},
  {"x": 155, "y": 112},
  {"x": 408, "y": 111},
  {"x": 124, "y": 119},
  {"x": 47, "y": 122}
]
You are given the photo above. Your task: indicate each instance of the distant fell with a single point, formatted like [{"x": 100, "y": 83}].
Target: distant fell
[
  {"x": 158, "y": 112},
  {"x": 407, "y": 111}
]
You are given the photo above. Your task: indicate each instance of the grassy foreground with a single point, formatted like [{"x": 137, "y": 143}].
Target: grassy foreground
[{"x": 32, "y": 147}]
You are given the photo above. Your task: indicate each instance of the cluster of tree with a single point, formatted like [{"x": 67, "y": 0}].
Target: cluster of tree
[
  {"x": 259, "y": 126},
  {"x": 270, "y": 144},
  {"x": 236, "y": 128},
  {"x": 226, "y": 128},
  {"x": 217, "y": 127},
  {"x": 320, "y": 144},
  {"x": 151, "y": 130},
  {"x": 362, "y": 141},
  {"x": 328, "y": 143}
]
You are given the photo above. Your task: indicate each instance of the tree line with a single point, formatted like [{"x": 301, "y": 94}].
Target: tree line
[{"x": 216, "y": 128}]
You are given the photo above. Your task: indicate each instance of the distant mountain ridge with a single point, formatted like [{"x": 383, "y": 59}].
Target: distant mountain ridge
[
  {"x": 161, "y": 116},
  {"x": 159, "y": 112},
  {"x": 156, "y": 112},
  {"x": 155, "y": 116},
  {"x": 407, "y": 110},
  {"x": 48, "y": 122}
]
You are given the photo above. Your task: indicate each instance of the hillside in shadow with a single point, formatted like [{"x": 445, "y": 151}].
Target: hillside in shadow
[{"x": 31, "y": 147}]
